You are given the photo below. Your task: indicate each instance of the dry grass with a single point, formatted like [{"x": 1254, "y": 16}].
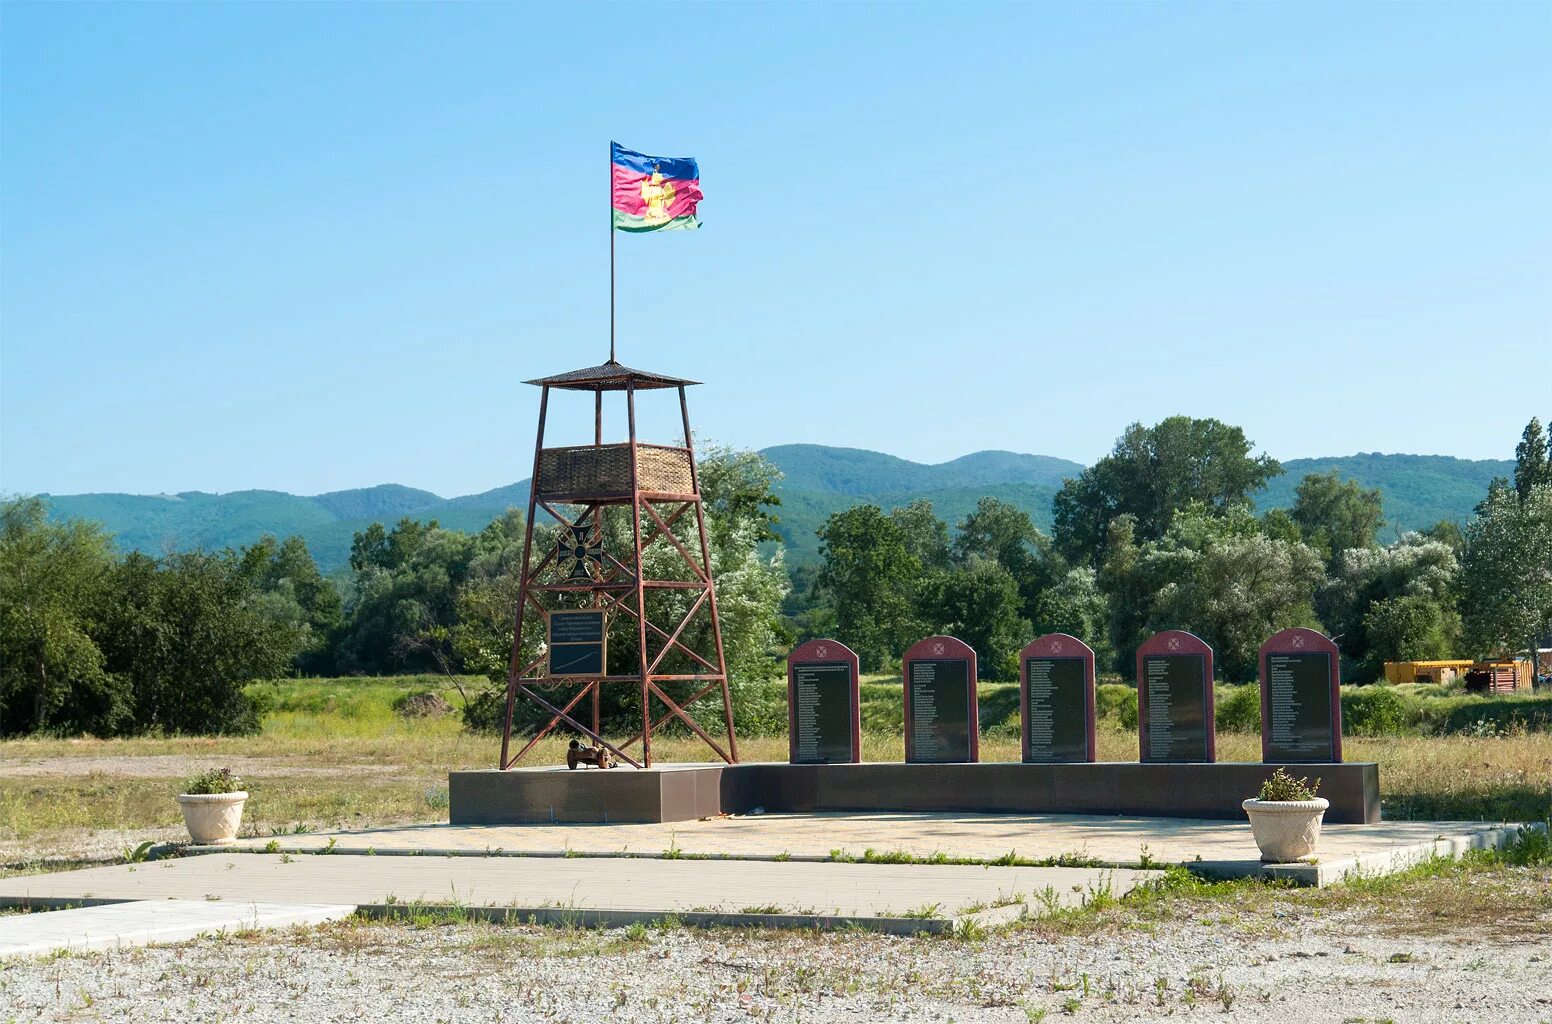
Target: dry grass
[{"x": 349, "y": 761}]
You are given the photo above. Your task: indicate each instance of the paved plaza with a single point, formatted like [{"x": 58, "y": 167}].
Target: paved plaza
[
  {"x": 114, "y": 925},
  {"x": 887, "y": 897},
  {"x": 1218, "y": 848},
  {"x": 821, "y": 870}
]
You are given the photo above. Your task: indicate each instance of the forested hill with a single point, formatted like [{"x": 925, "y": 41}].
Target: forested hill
[
  {"x": 1419, "y": 490},
  {"x": 328, "y": 522},
  {"x": 813, "y": 467}
]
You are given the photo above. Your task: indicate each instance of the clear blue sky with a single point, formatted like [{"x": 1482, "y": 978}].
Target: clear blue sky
[{"x": 310, "y": 247}]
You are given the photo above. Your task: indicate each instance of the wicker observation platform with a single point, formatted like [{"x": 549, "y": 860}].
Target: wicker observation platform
[
  {"x": 608, "y": 504},
  {"x": 603, "y": 473}
]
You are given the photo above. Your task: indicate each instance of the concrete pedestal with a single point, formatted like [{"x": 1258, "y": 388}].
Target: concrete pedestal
[{"x": 686, "y": 792}]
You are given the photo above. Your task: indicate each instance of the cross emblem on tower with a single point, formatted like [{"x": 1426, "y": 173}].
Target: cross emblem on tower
[
  {"x": 822, "y": 651},
  {"x": 1174, "y": 643},
  {"x": 583, "y": 550},
  {"x": 937, "y": 648}
]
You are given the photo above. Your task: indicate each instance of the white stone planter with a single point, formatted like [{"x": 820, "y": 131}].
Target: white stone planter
[
  {"x": 212, "y": 818},
  {"x": 1286, "y": 830}
]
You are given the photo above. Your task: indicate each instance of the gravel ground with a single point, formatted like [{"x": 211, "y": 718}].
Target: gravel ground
[
  {"x": 83, "y": 845},
  {"x": 1276, "y": 961}
]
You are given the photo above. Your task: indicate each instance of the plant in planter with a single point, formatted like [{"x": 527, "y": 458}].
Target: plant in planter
[
  {"x": 1285, "y": 818},
  {"x": 212, "y": 803}
]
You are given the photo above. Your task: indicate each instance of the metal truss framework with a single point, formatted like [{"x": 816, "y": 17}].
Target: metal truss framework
[{"x": 660, "y": 486}]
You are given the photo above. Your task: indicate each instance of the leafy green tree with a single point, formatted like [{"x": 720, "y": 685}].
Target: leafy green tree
[
  {"x": 1004, "y": 533},
  {"x": 869, "y": 576},
  {"x": 1150, "y": 474},
  {"x": 1448, "y": 533},
  {"x": 1278, "y": 524},
  {"x": 52, "y": 578},
  {"x": 1232, "y": 585},
  {"x": 1334, "y": 515},
  {"x": 1128, "y": 592},
  {"x": 1363, "y": 577},
  {"x": 1219, "y": 576},
  {"x": 738, "y": 488},
  {"x": 369, "y": 549},
  {"x": 1496, "y": 488},
  {"x": 1075, "y": 605},
  {"x": 926, "y": 536},
  {"x": 404, "y": 591},
  {"x": 978, "y": 602},
  {"x": 1532, "y": 463},
  {"x": 1413, "y": 627},
  {"x": 1506, "y": 578},
  {"x": 480, "y": 640},
  {"x": 295, "y": 592},
  {"x": 803, "y": 614},
  {"x": 188, "y": 633}
]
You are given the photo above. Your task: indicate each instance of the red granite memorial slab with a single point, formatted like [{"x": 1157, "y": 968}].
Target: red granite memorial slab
[
  {"x": 1056, "y": 700},
  {"x": 941, "y": 723},
  {"x": 1175, "y": 699},
  {"x": 1301, "y": 698},
  {"x": 824, "y": 719}
]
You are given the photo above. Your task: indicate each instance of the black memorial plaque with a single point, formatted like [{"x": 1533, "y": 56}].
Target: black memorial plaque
[
  {"x": 577, "y": 642},
  {"x": 1177, "y": 707},
  {"x": 940, "y": 723},
  {"x": 1298, "y": 711},
  {"x": 821, "y": 713},
  {"x": 1056, "y": 725}
]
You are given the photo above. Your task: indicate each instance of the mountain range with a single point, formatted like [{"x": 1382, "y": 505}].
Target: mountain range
[{"x": 1418, "y": 490}]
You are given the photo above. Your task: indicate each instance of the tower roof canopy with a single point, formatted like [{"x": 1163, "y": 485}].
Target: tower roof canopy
[{"x": 610, "y": 376}]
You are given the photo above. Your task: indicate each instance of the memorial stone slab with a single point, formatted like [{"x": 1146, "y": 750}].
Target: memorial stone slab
[
  {"x": 1056, "y": 700},
  {"x": 1301, "y": 698},
  {"x": 941, "y": 723},
  {"x": 1175, "y": 699},
  {"x": 576, "y": 642},
  {"x": 824, "y": 719}
]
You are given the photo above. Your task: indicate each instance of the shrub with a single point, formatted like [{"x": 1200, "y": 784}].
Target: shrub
[
  {"x": 487, "y": 710},
  {"x": 1283, "y": 787},
  {"x": 216, "y": 780},
  {"x": 1375, "y": 711},
  {"x": 1502, "y": 713},
  {"x": 1116, "y": 701},
  {"x": 1238, "y": 708},
  {"x": 759, "y": 708}
]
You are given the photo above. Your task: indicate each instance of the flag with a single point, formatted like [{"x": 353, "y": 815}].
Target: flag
[{"x": 654, "y": 193}]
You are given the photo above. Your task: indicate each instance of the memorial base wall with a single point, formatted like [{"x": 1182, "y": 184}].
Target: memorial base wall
[{"x": 686, "y": 792}]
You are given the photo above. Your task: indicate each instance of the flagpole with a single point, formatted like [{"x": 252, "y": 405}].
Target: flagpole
[{"x": 611, "y": 252}]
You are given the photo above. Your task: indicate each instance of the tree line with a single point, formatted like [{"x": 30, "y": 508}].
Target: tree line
[
  {"x": 1160, "y": 533},
  {"x": 94, "y": 642}
]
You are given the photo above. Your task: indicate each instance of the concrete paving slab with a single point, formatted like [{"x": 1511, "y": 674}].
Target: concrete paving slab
[
  {"x": 1219, "y": 848},
  {"x": 628, "y": 888},
  {"x": 113, "y": 925},
  {"x": 1374, "y": 863}
]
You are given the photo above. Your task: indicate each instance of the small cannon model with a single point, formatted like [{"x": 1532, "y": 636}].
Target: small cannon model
[{"x": 577, "y": 754}]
